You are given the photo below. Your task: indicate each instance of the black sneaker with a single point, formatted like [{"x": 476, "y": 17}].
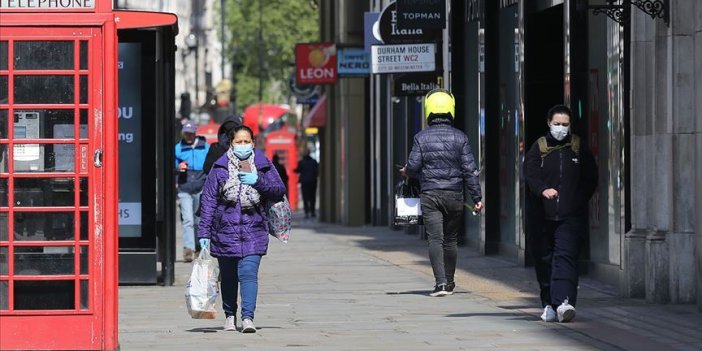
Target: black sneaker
[
  {"x": 439, "y": 290},
  {"x": 450, "y": 287}
]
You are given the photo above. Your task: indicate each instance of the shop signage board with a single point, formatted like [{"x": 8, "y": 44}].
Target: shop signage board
[
  {"x": 387, "y": 30},
  {"x": 315, "y": 63},
  {"x": 424, "y": 14},
  {"x": 353, "y": 62},
  {"x": 403, "y": 58},
  {"x": 415, "y": 84},
  {"x": 369, "y": 36}
]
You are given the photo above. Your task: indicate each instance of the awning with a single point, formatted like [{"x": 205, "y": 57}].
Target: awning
[{"x": 317, "y": 117}]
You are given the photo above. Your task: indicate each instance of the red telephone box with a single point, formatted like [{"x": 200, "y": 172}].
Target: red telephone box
[
  {"x": 58, "y": 175},
  {"x": 282, "y": 143}
]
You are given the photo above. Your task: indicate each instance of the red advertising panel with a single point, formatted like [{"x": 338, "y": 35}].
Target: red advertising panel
[{"x": 316, "y": 63}]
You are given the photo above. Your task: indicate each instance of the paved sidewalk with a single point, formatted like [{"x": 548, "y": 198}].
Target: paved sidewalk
[{"x": 339, "y": 288}]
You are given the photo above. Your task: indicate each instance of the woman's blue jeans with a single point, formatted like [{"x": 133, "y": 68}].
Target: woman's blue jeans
[{"x": 239, "y": 273}]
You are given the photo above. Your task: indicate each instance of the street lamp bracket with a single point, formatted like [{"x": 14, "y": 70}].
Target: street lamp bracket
[{"x": 616, "y": 10}]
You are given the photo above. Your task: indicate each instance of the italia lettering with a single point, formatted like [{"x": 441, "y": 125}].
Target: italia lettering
[
  {"x": 47, "y": 4},
  {"x": 317, "y": 73},
  {"x": 395, "y": 31}
]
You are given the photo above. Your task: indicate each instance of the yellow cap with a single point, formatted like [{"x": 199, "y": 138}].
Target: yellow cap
[{"x": 439, "y": 101}]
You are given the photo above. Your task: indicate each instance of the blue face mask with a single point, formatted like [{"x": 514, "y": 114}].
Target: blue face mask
[{"x": 243, "y": 151}]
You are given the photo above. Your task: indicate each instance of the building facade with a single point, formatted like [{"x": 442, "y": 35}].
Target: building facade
[{"x": 636, "y": 93}]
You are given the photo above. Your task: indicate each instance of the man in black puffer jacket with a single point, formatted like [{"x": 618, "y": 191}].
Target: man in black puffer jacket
[
  {"x": 561, "y": 176},
  {"x": 442, "y": 160}
]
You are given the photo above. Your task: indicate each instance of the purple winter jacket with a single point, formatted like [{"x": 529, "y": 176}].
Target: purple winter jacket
[{"x": 234, "y": 233}]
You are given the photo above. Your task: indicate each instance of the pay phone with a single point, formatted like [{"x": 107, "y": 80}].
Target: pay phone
[{"x": 28, "y": 157}]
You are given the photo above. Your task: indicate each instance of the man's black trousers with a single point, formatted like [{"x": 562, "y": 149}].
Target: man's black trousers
[
  {"x": 555, "y": 250},
  {"x": 309, "y": 197},
  {"x": 442, "y": 211}
]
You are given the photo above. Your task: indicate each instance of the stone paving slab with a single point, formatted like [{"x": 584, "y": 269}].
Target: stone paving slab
[{"x": 338, "y": 288}]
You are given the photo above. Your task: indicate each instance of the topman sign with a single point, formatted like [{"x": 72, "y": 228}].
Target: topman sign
[
  {"x": 47, "y": 4},
  {"x": 424, "y": 14}
]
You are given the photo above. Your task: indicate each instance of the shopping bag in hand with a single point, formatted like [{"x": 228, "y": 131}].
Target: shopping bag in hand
[
  {"x": 408, "y": 209},
  {"x": 279, "y": 219},
  {"x": 202, "y": 289}
]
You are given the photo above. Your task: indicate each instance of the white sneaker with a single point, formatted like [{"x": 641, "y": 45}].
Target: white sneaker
[
  {"x": 566, "y": 312},
  {"x": 247, "y": 326},
  {"x": 549, "y": 314},
  {"x": 230, "y": 323}
]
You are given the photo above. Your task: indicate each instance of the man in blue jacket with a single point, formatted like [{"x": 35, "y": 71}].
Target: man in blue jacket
[
  {"x": 442, "y": 160},
  {"x": 190, "y": 153}
]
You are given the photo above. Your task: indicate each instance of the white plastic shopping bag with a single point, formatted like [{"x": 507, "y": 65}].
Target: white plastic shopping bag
[{"x": 202, "y": 289}]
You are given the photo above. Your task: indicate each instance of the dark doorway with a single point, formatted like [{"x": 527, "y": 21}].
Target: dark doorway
[{"x": 543, "y": 68}]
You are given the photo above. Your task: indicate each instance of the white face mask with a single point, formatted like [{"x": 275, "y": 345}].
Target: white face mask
[{"x": 559, "y": 132}]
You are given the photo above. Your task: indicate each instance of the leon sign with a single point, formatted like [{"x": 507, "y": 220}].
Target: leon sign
[{"x": 315, "y": 63}]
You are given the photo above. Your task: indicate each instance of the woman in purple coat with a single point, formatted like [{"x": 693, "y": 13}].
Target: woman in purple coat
[{"x": 233, "y": 223}]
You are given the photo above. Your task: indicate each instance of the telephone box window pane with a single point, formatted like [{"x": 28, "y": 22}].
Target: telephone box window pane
[
  {"x": 83, "y": 260},
  {"x": 4, "y": 268},
  {"x": 44, "y": 158},
  {"x": 44, "y": 89},
  {"x": 83, "y": 191},
  {"x": 84, "y": 294},
  {"x": 3, "y": 124},
  {"x": 44, "y": 226},
  {"x": 44, "y": 55},
  {"x": 4, "y": 228},
  {"x": 4, "y": 295},
  {"x": 46, "y": 260},
  {"x": 84, "y": 225},
  {"x": 3, "y": 89},
  {"x": 44, "y": 192},
  {"x": 45, "y": 295},
  {"x": 83, "y": 54},
  {"x": 83, "y": 89},
  {"x": 3, "y": 55},
  {"x": 3, "y": 191}
]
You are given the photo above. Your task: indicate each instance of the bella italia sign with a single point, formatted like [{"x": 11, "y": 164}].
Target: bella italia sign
[{"x": 46, "y": 4}]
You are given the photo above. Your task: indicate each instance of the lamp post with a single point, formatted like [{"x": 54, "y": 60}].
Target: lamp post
[{"x": 192, "y": 42}]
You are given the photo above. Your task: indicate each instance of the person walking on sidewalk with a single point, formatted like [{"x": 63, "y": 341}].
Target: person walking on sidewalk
[
  {"x": 308, "y": 169},
  {"x": 282, "y": 172},
  {"x": 442, "y": 160},
  {"x": 233, "y": 222},
  {"x": 561, "y": 176},
  {"x": 190, "y": 154}
]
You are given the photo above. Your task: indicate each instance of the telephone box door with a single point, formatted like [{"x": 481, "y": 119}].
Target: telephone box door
[{"x": 53, "y": 280}]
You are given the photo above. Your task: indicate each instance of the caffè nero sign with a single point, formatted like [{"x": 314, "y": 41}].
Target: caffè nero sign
[{"x": 46, "y": 4}]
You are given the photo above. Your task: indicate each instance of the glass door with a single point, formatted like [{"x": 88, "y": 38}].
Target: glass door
[{"x": 50, "y": 243}]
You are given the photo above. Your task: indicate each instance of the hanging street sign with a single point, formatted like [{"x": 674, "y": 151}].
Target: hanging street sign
[
  {"x": 353, "y": 62},
  {"x": 315, "y": 63},
  {"x": 403, "y": 58},
  {"x": 415, "y": 84},
  {"x": 387, "y": 30}
]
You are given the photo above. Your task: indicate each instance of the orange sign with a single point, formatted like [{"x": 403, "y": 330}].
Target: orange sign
[{"x": 316, "y": 63}]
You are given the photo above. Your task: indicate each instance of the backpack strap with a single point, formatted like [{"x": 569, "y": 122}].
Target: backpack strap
[
  {"x": 575, "y": 144},
  {"x": 544, "y": 149}
]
